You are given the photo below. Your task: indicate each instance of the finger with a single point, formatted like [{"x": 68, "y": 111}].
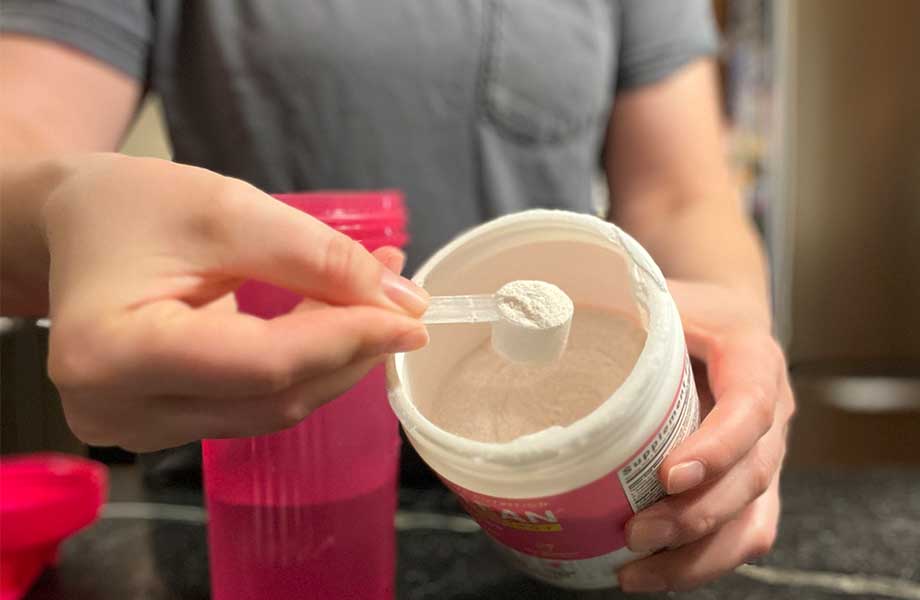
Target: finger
[
  {"x": 749, "y": 536},
  {"x": 299, "y": 401},
  {"x": 744, "y": 375},
  {"x": 268, "y": 240},
  {"x": 169, "y": 348},
  {"x": 679, "y": 520},
  {"x": 392, "y": 258},
  {"x": 265, "y": 413}
]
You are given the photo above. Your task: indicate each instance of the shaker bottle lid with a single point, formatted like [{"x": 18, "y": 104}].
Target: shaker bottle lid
[
  {"x": 373, "y": 218},
  {"x": 341, "y": 207}
]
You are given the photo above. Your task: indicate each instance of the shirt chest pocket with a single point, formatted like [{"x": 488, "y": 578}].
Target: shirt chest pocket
[{"x": 548, "y": 67}]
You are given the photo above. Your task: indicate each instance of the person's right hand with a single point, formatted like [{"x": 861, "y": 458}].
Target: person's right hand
[{"x": 147, "y": 347}]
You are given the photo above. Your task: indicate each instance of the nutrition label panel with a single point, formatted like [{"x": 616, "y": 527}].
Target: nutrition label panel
[{"x": 639, "y": 478}]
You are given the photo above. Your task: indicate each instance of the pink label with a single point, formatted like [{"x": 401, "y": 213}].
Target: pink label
[
  {"x": 582, "y": 523},
  {"x": 591, "y": 520}
]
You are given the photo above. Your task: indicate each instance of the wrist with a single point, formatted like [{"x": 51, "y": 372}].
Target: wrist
[{"x": 28, "y": 185}]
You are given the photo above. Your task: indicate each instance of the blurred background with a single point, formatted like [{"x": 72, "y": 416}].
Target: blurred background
[{"x": 821, "y": 100}]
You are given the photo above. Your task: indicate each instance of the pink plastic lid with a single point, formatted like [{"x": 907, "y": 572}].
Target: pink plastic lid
[{"x": 44, "y": 498}]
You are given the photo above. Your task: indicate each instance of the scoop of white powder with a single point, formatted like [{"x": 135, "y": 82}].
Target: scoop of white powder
[{"x": 534, "y": 321}]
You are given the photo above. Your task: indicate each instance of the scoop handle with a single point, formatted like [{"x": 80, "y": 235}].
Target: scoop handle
[{"x": 475, "y": 308}]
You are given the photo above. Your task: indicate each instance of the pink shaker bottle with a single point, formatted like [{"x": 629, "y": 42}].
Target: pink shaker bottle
[{"x": 308, "y": 512}]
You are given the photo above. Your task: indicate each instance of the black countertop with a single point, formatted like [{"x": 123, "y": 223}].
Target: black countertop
[{"x": 844, "y": 535}]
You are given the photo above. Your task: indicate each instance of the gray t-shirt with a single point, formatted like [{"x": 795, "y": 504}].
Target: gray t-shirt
[{"x": 475, "y": 108}]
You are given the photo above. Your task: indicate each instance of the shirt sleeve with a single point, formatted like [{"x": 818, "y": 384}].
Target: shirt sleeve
[
  {"x": 117, "y": 32},
  {"x": 657, "y": 37}
]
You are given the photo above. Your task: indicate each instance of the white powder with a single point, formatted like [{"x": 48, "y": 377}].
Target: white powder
[
  {"x": 534, "y": 304},
  {"x": 493, "y": 400},
  {"x": 534, "y": 321}
]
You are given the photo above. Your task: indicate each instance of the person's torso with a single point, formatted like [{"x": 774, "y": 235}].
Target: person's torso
[{"x": 474, "y": 108}]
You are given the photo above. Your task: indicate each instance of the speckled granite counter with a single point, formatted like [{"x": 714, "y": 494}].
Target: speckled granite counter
[{"x": 852, "y": 534}]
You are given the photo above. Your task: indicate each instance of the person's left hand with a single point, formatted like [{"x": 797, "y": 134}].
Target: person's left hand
[{"x": 723, "y": 481}]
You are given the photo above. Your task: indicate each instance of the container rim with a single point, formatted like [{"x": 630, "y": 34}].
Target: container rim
[{"x": 615, "y": 413}]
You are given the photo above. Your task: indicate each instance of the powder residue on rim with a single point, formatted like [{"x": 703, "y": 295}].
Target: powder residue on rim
[{"x": 534, "y": 304}]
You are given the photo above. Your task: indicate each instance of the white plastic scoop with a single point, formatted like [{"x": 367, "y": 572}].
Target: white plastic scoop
[{"x": 530, "y": 319}]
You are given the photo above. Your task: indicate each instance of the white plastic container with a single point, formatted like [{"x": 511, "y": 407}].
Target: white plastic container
[{"x": 557, "y": 501}]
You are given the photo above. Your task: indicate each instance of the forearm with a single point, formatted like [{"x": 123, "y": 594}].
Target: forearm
[
  {"x": 697, "y": 241},
  {"x": 672, "y": 188},
  {"x": 26, "y": 184},
  {"x": 36, "y": 129},
  {"x": 29, "y": 173}
]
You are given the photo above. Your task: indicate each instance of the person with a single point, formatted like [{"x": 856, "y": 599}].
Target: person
[{"x": 474, "y": 108}]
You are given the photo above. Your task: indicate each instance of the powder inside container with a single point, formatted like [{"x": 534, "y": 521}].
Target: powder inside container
[{"x": 488, "y": 399}]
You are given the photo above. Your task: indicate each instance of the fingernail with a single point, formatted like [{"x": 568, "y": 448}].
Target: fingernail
[
  {"x": 647, "y": 535},
  {"x": 404, "y": 293},
  {"x": 396, "y": 261},
  {"x": 409, "y": 341},
  {"x": 685, "y": 476},
  {"x": 392, "y": 258},
  {"x": 637, "y": 580}
]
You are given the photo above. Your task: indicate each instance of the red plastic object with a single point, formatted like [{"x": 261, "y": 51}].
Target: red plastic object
[{"x": 44, "y": 498}]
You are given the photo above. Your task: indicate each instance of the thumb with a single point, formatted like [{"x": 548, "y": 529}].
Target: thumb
[
  {"x": 281, "y": 245},
  {"x": 710, "y": 311}
]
